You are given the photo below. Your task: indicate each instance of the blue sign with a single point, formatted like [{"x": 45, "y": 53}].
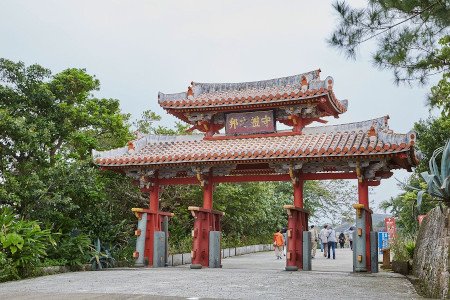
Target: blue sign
[{"x": 383, "y": 240}]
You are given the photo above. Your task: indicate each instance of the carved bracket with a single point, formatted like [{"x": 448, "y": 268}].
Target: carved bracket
[
  {"x": 358, "y": 165},
  {"x": 200, "y": 173}
]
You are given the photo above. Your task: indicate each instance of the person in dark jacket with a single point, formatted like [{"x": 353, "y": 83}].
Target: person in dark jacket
[{"x": 341, "y": 240}]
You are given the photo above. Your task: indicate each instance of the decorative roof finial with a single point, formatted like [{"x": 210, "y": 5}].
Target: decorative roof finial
[
  {"x": 304, "y": 84},
  {"x": 372, "y": 134},
  {"x": 190, "y": 93}
]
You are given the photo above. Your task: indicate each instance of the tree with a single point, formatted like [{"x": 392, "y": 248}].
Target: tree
[
  {"x": 408, "y": 34},
  {"x": 440, "y": 93},
  {"x": 145, "y": 125},
  {"x": 431, "y": 133},
  {"x": 403, "y": 206},
  {"x": 48, "y": 126}
]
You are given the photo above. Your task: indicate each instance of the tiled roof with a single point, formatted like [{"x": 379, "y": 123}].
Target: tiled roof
[
  {"x": 371, "y": 137},
  {"x": 306, "y": 86}
]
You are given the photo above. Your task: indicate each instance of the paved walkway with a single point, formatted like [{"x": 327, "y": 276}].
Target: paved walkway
[{"x": 252, "y": 276}]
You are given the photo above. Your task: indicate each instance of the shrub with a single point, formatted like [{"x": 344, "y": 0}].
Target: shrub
[
  {"x": 101, "y": 257},
  {"x": 72, "y": 249},
  {"x": 24, "y": 245},
  {"x": 124, "y": 254},
  {"x": 403, "y": 247}
]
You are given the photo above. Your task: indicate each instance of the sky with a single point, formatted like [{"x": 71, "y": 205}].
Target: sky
[{"x": 138, "y": 48}]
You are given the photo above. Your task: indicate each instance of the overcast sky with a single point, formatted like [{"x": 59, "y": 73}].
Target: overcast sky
[{"x": 137, "y": 48}]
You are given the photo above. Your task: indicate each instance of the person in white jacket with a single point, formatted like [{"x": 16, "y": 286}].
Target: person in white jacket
[{"x": 323, "y": 236}]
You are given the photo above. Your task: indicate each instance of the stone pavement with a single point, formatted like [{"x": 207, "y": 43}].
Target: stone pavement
[{"x": 252, "y": 276}]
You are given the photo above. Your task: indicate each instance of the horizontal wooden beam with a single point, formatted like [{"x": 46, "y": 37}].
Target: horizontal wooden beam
[{"x": 259, "y": 178}]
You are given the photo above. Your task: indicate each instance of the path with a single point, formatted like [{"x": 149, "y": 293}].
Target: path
[{"x": 252, "y": 276}]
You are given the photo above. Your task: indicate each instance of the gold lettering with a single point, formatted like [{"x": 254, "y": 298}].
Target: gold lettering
[
  {"x": 233, "y": 123},
  {"x": 266, "y": 120},
  {"x": 255, "y": 122}
]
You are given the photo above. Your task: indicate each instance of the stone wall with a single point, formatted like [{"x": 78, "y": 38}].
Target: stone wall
[
  {"x": 431, "y": 256},
  {"x": 185, "y": 258}
]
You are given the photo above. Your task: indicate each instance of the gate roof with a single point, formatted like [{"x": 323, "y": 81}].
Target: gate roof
[
  {"x": 305, "y": 88},
  {"x": 347, "y": 142},
  {"x": 369, "y": 148}
]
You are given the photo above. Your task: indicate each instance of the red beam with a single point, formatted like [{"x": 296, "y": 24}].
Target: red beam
[
  {"x": 176, "y": 181},
  {"x": 252, "y": 178},
  {"x": 327, "y": 176},
  {"x": 256, "y": 178}
]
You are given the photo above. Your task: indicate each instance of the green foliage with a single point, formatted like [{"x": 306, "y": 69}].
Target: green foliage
[
  {"x": 440, "y": 94},
  {"x": 101, "y": 257},
  {"x": 145, "y": 125},
  {"x": 403, "y": 247},
  {"x": 438, "y": 180},
  {"x": 431, "y": 132},
  {"x": 253, "y": 210},
  {"x": 72, "y": 250},
  {"x": 408, "y": 34},
  {"x": 48, "y": 126},
  {"x": 123, "y": 253},
  {"x": 403, "y": 206},
  {"x": 24, "y": 245}
]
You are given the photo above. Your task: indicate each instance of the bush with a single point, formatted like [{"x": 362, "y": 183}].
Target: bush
[
  {"x": 180, "y": 245},
  {"x": 71, "y": 250},
  {"x": 24, "y": 246},
  {"x": 124, "y": 254},
  {"x": 101, "y": 257},
  {"x": 403, "y": 247}
]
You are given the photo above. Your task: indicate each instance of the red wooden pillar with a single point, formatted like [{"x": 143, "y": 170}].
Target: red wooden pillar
[
  {"x": 297, "y": 223},
  {"x": 208, "y": 193},
  {"x": 153, "y": 221},
  {"x": 205, "y": 220},
  {"x": 298, "y": 193},
  {"x": 363, "y": 198}
]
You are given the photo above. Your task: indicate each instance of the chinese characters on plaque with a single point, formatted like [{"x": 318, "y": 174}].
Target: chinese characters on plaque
[{"x": 250, "y": 122}]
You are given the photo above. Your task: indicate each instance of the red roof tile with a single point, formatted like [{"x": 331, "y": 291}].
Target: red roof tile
[
  {"x": 344, "y": 140},
  {"x": 292, "y": 88}
]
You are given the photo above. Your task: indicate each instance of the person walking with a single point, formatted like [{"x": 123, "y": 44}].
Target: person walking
[
  {"x": 331, "y": 242},
  {"x": 313, "y": 231},
  {"x": 350, "y": 237},
  {"x": 323, "y": 236},
  {"x": 278, "y": 242},
  {"x": 284, "y": 233},
  {"x": 341, "y": 240}
]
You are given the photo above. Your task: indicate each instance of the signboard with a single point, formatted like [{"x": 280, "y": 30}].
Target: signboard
[
  {"x": 250, "y": 122},
  {"x": 390, "y": 227},
  {"x": 420, "y": 218},
  {"x": 383, "y": 240}
]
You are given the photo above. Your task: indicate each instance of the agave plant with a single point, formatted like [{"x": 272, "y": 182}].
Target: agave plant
[
  {"x": 101, "y": 258},
  {"x": 438, "y": 181}
]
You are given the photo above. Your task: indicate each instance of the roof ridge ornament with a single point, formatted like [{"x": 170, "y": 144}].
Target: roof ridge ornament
[
  {"x": 190, "y": 93},
  {"x": 304, "y": 84}
]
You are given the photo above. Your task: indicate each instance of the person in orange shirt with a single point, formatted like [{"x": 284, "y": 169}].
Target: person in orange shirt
[{"x": 278, "y": 242}]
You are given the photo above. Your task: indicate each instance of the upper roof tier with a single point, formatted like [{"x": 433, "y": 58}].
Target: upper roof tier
[{"x": 306, "y": 88}]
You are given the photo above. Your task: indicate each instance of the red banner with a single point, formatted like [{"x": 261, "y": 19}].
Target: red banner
[
  {"x": 250, "y": 122},
  {"x": 391, "y": 227}
]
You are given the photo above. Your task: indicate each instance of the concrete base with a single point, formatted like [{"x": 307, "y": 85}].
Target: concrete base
[
  {"x": 159, "y": 249},
  {"x": 291, "y": 268},
  {"x": 214, "y": 249},
  {"x": 196, "y": 266},
  {"x": 306, "y": 251},
  {"x": 374, "y": 251}
]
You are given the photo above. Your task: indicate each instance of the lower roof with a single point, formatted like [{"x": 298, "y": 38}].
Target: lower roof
[{"x": 344, "y": 141}]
